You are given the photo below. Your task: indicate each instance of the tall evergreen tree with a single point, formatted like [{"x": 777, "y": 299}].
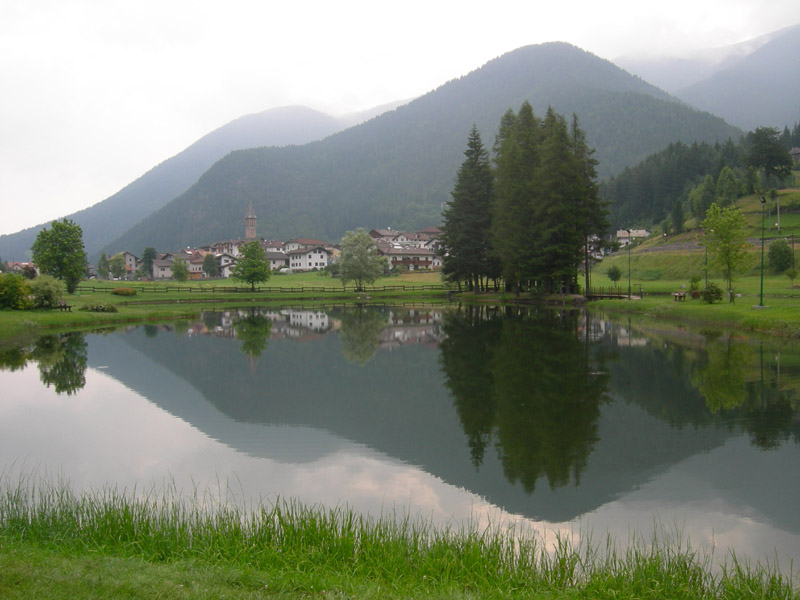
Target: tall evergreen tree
[
  {"x": 516, "y": 158},
  {"x": 591, "y": 208},
  {"x": 148, "y": 256},
  {"x": 768, "y": 152},
  {"x": 465, "y": 239},
  {"x": 547, "y": 206}
]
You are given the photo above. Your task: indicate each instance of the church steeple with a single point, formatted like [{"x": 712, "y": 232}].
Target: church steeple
[{"x": 250, "y": 223}]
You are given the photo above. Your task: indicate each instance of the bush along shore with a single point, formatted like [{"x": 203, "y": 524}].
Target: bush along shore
[{"x": 55, "y": 543}]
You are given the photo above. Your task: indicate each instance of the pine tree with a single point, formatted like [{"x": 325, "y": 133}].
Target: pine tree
[
  {"x": 513, "y": 210},
  {"x": 465, "y": 240}
]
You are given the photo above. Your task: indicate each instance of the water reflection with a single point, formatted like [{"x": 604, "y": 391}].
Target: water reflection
[
  {"x": 529, "y": 381},
  {"x": 61, "y": 360},
  {"x": 553, "y": 416}
]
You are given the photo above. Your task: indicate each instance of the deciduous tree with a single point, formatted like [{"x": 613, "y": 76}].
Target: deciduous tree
[
  {"x": 359, "y": 261},
  {"x": 725, "y": 239},
  {"x": 117, "y": 266},
  {"x": 252, "y": 265},
  {"x": 180, "y": 272},
  {"x": 210, "y": 267},
  {"x": 59, "y": 252}
]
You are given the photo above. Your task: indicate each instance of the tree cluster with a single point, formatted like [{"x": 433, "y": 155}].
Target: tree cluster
[
  {"x": 687, "y": 179},
  {"x": 531, "y": 217}
]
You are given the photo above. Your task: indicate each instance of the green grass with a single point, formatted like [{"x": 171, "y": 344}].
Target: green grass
[
  {"x": 56, "y": 544},
  {"x": 154, "y": 304}
]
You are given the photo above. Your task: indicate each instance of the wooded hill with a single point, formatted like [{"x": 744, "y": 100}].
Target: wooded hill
[{"x": 398, "y": 168}]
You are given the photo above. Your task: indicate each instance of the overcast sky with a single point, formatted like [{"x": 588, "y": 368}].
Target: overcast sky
[{"x": 96, "y": 92}]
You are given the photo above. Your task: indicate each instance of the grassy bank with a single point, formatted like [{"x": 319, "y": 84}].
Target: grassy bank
[
  {"x": 161, "y": 301},
  {"x": 56, "y": 544}
]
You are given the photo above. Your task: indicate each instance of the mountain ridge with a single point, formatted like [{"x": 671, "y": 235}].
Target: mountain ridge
[
  {"x": 398, "y": 168},
  {"x": 761, "y": 89}
]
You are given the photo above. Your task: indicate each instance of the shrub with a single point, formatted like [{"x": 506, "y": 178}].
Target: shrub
[
  {"x": 46, "y": 291},
  {"x": 14, "y": 291},
  {"x": 712, "y": 293},
  {"x": 779, "y": 256},
  {"x": 110, "y": 308},
  {"x": 694, "y": 283},
  {"x": 123, "y": 291}
]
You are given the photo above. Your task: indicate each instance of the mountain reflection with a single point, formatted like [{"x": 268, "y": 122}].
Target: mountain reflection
[{"x": 546, "y": 413}]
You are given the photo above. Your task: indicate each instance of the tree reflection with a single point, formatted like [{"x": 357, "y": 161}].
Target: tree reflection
[
  {"x": 735, "y": 385},
  {"x": 62, "y": 361},
  {"x": 253, "y": 331},
  {"x": 360, "y": 334},
  {"x": 466, "y": 352},
  {"x": 721, "y": 380},
  {"x": 527, "y": 381},
  {"x": 13, "y": 358}
]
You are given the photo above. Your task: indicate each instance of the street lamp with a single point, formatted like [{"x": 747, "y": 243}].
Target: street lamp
[
  {"x": 629, "y": 264},
  {"x": 763, "y": 204}
]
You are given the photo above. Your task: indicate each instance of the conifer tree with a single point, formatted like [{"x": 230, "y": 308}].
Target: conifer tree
[
  {"x": 465, "y": 240},
  {"x": 513, "y": 218}
]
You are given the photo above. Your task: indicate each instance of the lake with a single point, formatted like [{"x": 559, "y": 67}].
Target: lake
[{"x": 564, "y": 422}]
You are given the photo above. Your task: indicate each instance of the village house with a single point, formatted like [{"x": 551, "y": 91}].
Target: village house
[
  {"x": 298, "y": 243},
  {"x": 19, "y": 267},
  {"x": 628, "y": 236},
  {"x": 162, "y": 268},
  {"x": 409, "y": 258},
  {"x": 278, "y": 260},
  {"x": 307, "y": 258}
]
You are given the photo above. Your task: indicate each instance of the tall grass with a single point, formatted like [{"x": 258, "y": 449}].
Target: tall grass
[{"x": 298, "y": 547}]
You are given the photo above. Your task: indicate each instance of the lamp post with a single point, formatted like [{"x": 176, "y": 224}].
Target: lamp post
[
  {"x": 763, "y": 204},
  {"x": 629, "y": 267}
]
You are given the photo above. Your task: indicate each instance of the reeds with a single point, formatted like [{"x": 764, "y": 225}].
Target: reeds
[{"x": 301, "y": 547}]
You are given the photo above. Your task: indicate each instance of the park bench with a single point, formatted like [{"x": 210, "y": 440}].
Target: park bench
[
  {"x": 679, "y": 296},
  {"x": 64, "y": 306}
]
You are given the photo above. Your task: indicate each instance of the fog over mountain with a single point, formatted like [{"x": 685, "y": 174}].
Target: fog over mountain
[
  {"x": 751, "y": 84},
  {"x": 673, "y": 73}
]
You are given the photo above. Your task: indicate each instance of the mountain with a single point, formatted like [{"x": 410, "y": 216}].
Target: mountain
[
  {"x": 673, "y": 73},
  {"x": 760, "y": 89},
  {"x": 108, "y": 219},
  {"x": 398, "y": 168}
]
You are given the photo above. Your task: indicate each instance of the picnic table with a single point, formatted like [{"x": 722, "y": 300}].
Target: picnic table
[{"x": 679, "y": 296}]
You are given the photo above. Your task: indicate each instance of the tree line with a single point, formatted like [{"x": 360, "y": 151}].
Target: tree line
[
  {"x": 528, "y": 216},
  {"x": 684, "y": 180}
]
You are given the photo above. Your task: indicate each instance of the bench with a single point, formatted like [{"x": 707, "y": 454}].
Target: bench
[
  {"x": 64, "y": 306},
  {"x": 679, "y": 296}
]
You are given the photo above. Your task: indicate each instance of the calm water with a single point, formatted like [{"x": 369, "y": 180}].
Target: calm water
[{"x": 564, "y": 422}]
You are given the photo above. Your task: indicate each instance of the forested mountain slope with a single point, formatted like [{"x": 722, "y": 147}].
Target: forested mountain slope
[{"x": 398, "y": 169}]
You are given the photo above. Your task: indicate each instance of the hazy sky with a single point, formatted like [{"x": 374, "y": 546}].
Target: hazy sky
[{"x": 97, "y": 92}]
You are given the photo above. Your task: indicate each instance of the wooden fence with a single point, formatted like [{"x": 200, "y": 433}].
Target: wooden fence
[{"x": 271, "y": 289}]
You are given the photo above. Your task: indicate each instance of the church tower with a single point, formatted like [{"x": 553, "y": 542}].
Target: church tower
[{"x": 250, "y": 224}]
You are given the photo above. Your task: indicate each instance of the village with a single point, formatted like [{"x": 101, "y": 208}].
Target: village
[{"x": 411, "y": 251}]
